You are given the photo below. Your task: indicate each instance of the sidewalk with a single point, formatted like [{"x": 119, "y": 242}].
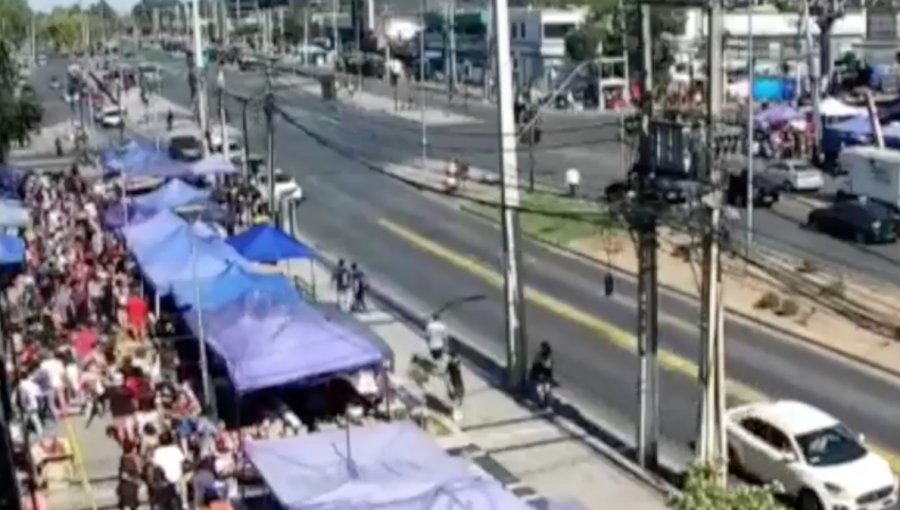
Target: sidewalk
[{"x": 535, "y": 455}]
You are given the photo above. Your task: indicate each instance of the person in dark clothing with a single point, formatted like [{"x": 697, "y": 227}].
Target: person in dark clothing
[
  {"x": 163, "y": 494},
  {"x": 360, "y": 285},
  {"x": 341, "y": 279},
  {"x": 170, "y": 120},
  {"x": 456, "y": 389},
  {"x": 129, "y": 478}
]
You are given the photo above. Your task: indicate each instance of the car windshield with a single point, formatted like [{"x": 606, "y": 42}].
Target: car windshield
[
  {"x": 282, "y": 179},
  {"x": 830, "y": 446}
]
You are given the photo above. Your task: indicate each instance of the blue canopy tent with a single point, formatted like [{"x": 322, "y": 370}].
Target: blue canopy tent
[
  {"x": 391, "y": 466},
  {"x": 11, "y": 180},
  {"x": 213, "y": 165},
  {"x": 260, "y": 347},
  {"x": 233, "y": 285},
  {"x": 269, "y": 244},
  {"x": 152, "y": 230},
  {"x": 172, "y": 195},
  {"x": 12, "y": 249},
  {"x": 119, "y": 215},
  {"x": 13, "y": 214},
  {"x": 183, "y": 255}
]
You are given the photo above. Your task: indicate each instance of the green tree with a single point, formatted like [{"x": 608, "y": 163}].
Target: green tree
[
  {"x": 62, "y": 29},
  {"x": 15, "y": 21},
  {"x": 581, "y": 43},
  {"x": 701, "y": 491},
  {"x": 20, "y": 110}
]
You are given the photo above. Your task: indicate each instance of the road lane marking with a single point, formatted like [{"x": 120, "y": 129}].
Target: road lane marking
[
  {"x": 79, "y": 462},
  {"x": 609, "y": 332}
]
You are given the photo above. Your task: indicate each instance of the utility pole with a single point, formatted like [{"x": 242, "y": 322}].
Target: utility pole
[
  {"x": 226, "y": 23},
  {"x": 451, "y": 60},
  {"x": 644, "y": 222},
  {"x": 713, "y": 449},
  {"x": 423, "y": 94},
  {"x": 246, "y": 140},
  {"x": 270, "y": 139},
  {"x": 488, "y": 74},
  {"x": 626, "y": 72},
  {"x": 335, "y": 34},
  {"x": 516, "y": 342},
  {"x": 813, "y": 69},
  {"x": 751, "y": 71},
  {"x": 220, "y": 82},
  {"x": 200, "y": 78},
  {"x": 385, "y": 16},
  {"x": 33, "y": 40},
  {"x": 306, "y": 34}
]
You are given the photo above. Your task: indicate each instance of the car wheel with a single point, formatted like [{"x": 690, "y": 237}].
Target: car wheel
[
  {"x": 812, "y": 224},
  {"x": 859, "y": 237},
  {"x": 787, "y": 186},
  {"x": 807, "y": 500},
  {"x": 734, "y": 463}
]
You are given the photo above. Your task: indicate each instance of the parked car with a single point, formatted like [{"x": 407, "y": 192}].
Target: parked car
[
  {"x": 185, "y": 148},
  {"x": 110, "y": 116},
  {"x": 796, "y": 175},
  {"x": 855, "y": 220},
  {"x": 765, "y": 192},
  {"x": 285, "y": 185},
  {"x": 808, "y": 455}
]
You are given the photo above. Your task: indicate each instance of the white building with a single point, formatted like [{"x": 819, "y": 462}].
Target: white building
[
  {"x": 776, "y": 34},
  {"x": 537, "y": 41}
]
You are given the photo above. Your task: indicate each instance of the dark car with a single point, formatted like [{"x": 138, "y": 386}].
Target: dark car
[
  {"x": 185, "y": 148},
  {"x": 765, "y": 191},
  {"x": 856, "y": 221}
]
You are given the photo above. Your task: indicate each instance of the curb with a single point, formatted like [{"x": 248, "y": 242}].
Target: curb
[
  {"x": 664, "y": 480},
  {"x": 806, "y": 339}
]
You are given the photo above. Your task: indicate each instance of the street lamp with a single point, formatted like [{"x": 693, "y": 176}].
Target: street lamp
[{"x": 453, "y": 303}]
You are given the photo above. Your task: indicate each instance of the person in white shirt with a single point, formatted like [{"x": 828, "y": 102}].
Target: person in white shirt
[
  {"x": 573, "y": 181},
  {"x": 170, "y": 459},
  {"x": 55, "y": 371},
  {"x": 436, "y": 334},
  {"x": 29, "y": 394}
]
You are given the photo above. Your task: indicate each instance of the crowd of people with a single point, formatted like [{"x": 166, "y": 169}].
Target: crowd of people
[{"x": 85, "y": 341}]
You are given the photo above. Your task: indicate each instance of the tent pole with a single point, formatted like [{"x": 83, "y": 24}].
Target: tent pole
[{"x": 312, "y": 277}]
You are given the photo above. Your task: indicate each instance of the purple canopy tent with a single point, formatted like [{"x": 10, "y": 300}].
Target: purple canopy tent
[
  {"x": 261, "y": 351},
  {"x": 774, "y": 115},
  {"x": 120, "y": 215},
  {"x": 152, "y": 230},
  {"x": 213, "y": 165},
  {"x": 391, "y": 466}
]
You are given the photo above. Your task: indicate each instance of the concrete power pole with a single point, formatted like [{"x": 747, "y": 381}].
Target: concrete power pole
[
  {"x": 516, "y": 342},
  {"x": 751, "y": 71},
  {"x": 451, "y": 57},
  {"x": 423, "y": 93},
  {"x": 200, "y": 78},
  {"x": 270, "y": 140},
  {"x": 644, "y": 222},
  {"x": 713, "y": 449}
]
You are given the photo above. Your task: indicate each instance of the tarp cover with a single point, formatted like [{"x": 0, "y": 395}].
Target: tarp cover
[
  {"x": 172, "y": 195},
  {"x": 392, "y": 466},
  {"x": 184, "y": 255},
  {"x": 273, "y": 347},
  {"x": 269, "y": 244}
]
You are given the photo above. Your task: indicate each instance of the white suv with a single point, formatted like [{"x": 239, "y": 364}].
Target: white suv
[
  {"x": 808, "y": 454},
  {"x": 285, "y": 185}
]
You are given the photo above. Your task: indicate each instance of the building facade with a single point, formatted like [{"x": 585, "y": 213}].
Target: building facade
[{"x": 537, "y": 41}]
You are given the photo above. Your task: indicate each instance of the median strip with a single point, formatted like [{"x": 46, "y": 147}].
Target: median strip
[{"x": 608, "y": 332}]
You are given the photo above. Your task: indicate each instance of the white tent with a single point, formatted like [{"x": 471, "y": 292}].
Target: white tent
[{"x": 832, "y": 107}]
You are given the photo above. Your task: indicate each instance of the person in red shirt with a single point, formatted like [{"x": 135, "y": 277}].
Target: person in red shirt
[{"x": 138, "y": 314}]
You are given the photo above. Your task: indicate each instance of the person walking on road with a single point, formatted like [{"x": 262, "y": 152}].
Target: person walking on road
[
  {"x": 456, "y": 389},
  {"x": 436, "y": 334},
  {"x": 340, "y": 277},
  {"x": 360, "y": 285}
]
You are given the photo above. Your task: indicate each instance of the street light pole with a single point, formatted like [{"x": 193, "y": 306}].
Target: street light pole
[
  {"x": 198, "y": 69},
  {"x": 751, "y": 70},
  {"x": 423, "y": 97},
  {"x": 220, "y": 82},
  {"x": 516, "y": 343}
]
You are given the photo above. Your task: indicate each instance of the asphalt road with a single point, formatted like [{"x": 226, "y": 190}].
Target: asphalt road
[{"x": 354, "y": 212}]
